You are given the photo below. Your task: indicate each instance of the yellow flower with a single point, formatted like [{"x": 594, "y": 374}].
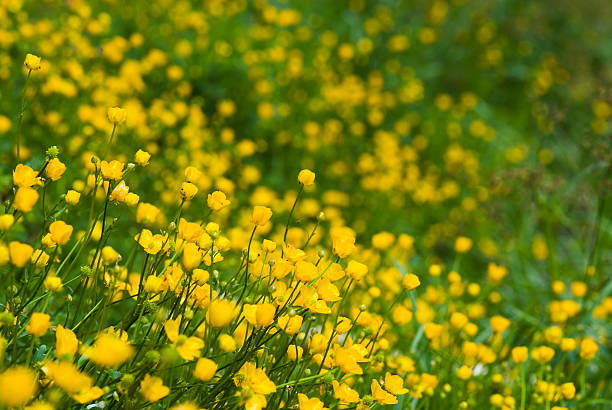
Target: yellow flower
[
  {"x": 261, "y": 215},
  {"x": 190, "y": 231},
  {"x": 410, "y": 281},
  {"x": 519, "y": 354},
  {"x": 432, "y": 330},
  {"x": 153, "y": 389},
  {"x": 53, "y": 283},
  {"x": 217, "y": 201},
  {"x": 151, "y": 244},
  {"x": 147, "y": 213},
  {"x": 290, "y": 324},
  {"x": 294, "y": 352},
  {"x": 306, "y": 271},
  {"x": 18, "y": 385},
  {"x": 116, "y": 115},
  {"x": 60, "y": 232},
  {"x": 464, "y": 372},
  {"x": 356, "y": 270},
  {"x": 499, "y": 324},
  {"x": 112, "y": 170},
  {"x": 131, "y": 199},
  {"x": 109, "y": 255},
  {"x": 142, "y": 158},
  {"x": 543, "y": 354},
  {"x": 187, "y": 347},
  {"x": 25, "y": 199},
  {"x": 6, "y": 221},
  {"x": 394, "y": 384},
  {"x": 343, "y": 245},
  {"x": 227, "y": 343},
  {"x": 267, "y": 245},
  {"x": 264, "y": 314},
  {"x": 72, "y": 197},
  {"x": 205, "y": 369},
  {"x": 220, "y": 313},
  {"x": 66, "y": 342},
  {"x": 20, "y": 253},
  {"x": 306, "y": 403},
  {"x": 192, "y": 174},
  {"x": 68, "y": 377},
  {"x": 24, "y": 176},
  {"x": 380, "y": 395},
  {"x": 120, "y": 192},
  {"x": 192, "y": 258},
  {"x": 32, "y": 62},
  {"x": 93, "y": 393},
  {"x": 256, "y": 379},
  {"x": 39, "y": 405},
  {"x": 306, "y": 177},
  {"x": 344, "y": 393},
  {"x": 188, "y": 190},
  {"x": 55, "y": 169},
  {"x": 39, "y": 324},
  {"x": 588, "y": 348},
  {"x": 568, "y": 390},
  {"x": 463, "y": 244},
  {"x": 109, "y": 351}
]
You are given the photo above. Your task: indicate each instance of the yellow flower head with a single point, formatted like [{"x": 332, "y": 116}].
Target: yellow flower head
[
  {"x": 217, "y": 201},
  {"x": 205, "y": 369},
  {"x": 20, "y": 253},
  {"x": 24, "y": 176},
  {"x": 380, "y": 395},
  {"x": 109, "y": 351},
  {"x": 32, "y": 62},
  {"x": 220, "y": 313},
  {"x": 112, "y": 170},
  {"x": 39, "y": 324},
  {"x": 261, "y": 215},
  {"x": 18, "y": 386},
  {"x": 142, "y": 158},
  {"x": 153, "y": 389},
  {"x": 60, "y": 232},
  {"x": 55, "y": 169},
  {"x": 188, "y": 190},
  {"x": 72, "y": 197},
  {"x": 116, "y": 115},
  {"x": 25, "y": 199},
  {"x": 66, "y": 342},
  {"x": 306, "y": 177}
]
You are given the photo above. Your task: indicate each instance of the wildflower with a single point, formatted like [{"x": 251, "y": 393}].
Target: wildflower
[
  {"x": 190, "y": 231},
  {"x": 153, "y": 389},
  {"x": 267, "y": 246},
  {"x": 116, "y": 115},
  {"x": 343, "y": 244},
  {"x": 188, "y": 190},
  {"x": 39, "y": 324},
  {"x": 53, "y": 283},
  {"x": 568, "y": 390},
  {"x": 131, "y": 199},
  {"x": 344, "y": 393},
  {"x": 344, "y": 325},
  {"x": 112, "y": 170},
  {"x": 306, "y": 177},
  {"x": 217, "y": 201},
  {"x": 66, "y": 342},
  {"x": 356, "y": 270},
  {"x": 220, "y": 313},
  {"x": 119, "y": 193},
  {"x": 24, "y": 176},
  {"x": 519, "y": 354},
  {"x": 72, "y": 197},
  {"x": 109, "y": 351},
  {"x": 294, "y": 352},
  {"x": 151, "y": 244},
  {"x": 313, "y": 403},
  {"x": 192, "y": 258},
  {"x": 68, "y": 377},
  {"x": 25, "y": 199},
  {"x": 254, "y": 378},
  {"x": 55, "y": 169},
  {"x": 32, "y": 62},
  {"x": 6, "y": 221},
  {"x": 187, "y": 347},
  {"x": 588, "y": 348},
  {"x": 464, "y": 372},
  {"x": 463, "y": 244},
  {"x": 394, "y": 384},
  {"x": 264, "y": 314},
  {"x": 499, "y": 324},
  {"x": 261, "y": 215},
  {"x": 142, "y": 158},
  {"x": 380, "y": 395},
  {"x": 109, "y": 255},
  {"x": 410, "y": 281},
  {"x": 542, "y": 354},
  {"x": 205, "y": 369},
  {"x": 18, "y": 385},
  {"x": 20, "y": 253},
  {"x": 227, "y": 343},
  {"x": 192, "y": 174},
  {"x": 60, "y": 232},
  {"x": 147, "y": 213},
  {"x": 306, "y": 271},
  {"x": 432, "y": 330}
]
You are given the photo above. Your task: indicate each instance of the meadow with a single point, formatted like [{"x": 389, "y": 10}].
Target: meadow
[{"x": 307, "y": 204}]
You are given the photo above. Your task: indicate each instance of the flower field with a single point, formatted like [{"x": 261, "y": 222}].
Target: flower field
[{"x": 305, "y": 204}]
